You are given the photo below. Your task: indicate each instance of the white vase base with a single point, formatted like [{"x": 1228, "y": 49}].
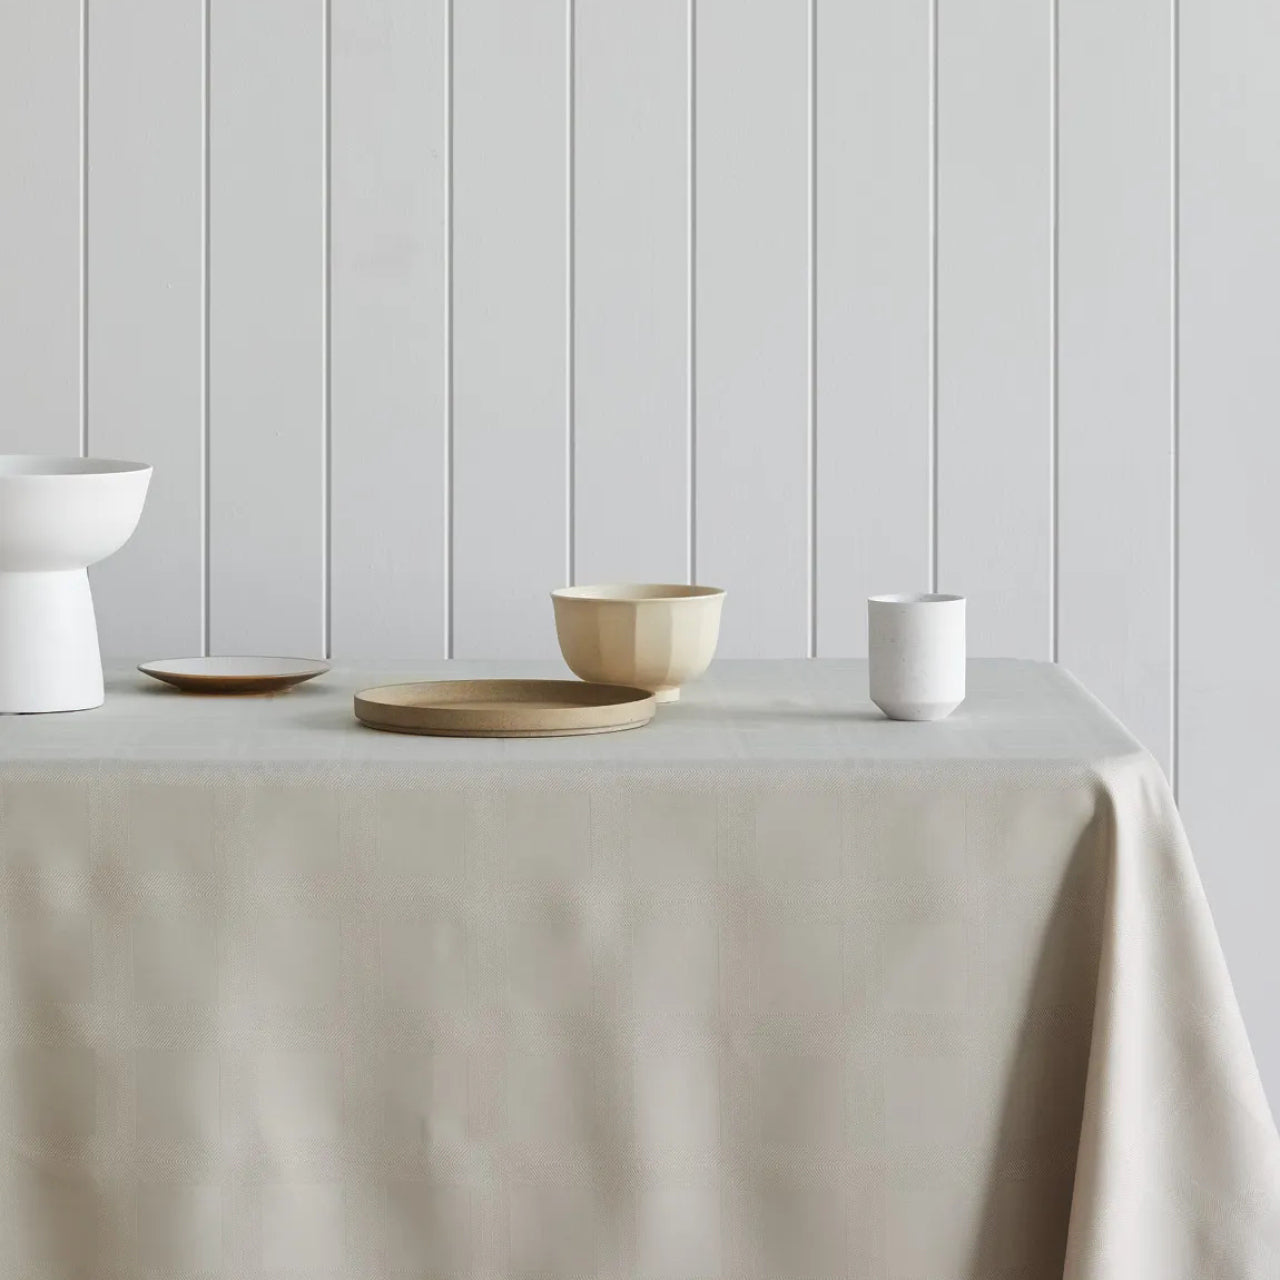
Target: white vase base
[{"x": 49, "y": 658}]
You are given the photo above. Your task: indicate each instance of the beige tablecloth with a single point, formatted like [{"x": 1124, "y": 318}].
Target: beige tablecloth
[{"x": 770, "y": 988}]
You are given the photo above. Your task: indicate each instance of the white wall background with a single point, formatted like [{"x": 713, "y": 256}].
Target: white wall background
[{"x": 421, "y": 307}]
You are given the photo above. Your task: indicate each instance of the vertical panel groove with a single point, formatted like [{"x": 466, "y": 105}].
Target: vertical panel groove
[
  {"x": 692, "y": 319},
  {"x": 84, "y": 228},
  {"x": 933, "y": 296},
  {"x": 1175, "y": 401},
  {"x": 204, "y": 325},
  {"x": 813, "y": 329},
  {"x": 1054, "y": 557},
  {"x": 571, "y": 73},
  {"x": 326, "y": 281},
  {"x": 448, "y": 333}
]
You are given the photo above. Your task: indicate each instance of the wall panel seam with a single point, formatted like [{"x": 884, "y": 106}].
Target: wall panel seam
[
  {"x": 326, "y": 337},
  {"x": 1054, "y": 423},
  {"x": 448, "y": 335},
  {"x": 691, "y": 319},
  {"x": 571, "y": 442},
  {"x": 84, "y": 230},
  {"x": 1175, "y": 405},
  {"x": 933, "y": 423},
  {"x": 205, "y": 444},
  {"x": 812, "y": 424}
]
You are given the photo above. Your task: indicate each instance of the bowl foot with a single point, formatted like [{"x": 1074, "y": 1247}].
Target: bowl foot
[{"x": 666, "y": 695}]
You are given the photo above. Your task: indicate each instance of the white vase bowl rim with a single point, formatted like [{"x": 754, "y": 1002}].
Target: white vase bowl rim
[{"x": 39, "y": 466}]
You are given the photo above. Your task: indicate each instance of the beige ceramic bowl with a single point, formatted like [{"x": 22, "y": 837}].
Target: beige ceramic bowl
[{"x": 650, "y": 635}]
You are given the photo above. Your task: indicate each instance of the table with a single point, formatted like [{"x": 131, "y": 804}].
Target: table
[{"x": 771, "y": 987}]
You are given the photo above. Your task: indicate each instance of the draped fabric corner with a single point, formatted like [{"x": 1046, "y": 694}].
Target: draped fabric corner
[{"x": 1178, "y": 1172}]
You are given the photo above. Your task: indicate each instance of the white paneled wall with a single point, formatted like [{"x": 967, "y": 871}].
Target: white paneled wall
[
  {"x": 632, "y": 290},
  {"x": 42, "y": 215},
  {"x": 423, "y": 307},
  {"x": 874, "y": 278},
  {"x": 1115, "y": 357},
  {"x": 144, "y": 311},
  {"x": 753, "y": 410},
  {"x": 1228, "y": 455}
]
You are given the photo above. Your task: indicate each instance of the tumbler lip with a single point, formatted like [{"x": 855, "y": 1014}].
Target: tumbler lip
[{"x": 926, "y": 597}]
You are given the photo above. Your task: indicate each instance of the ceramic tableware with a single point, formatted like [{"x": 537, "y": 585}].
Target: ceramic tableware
[
  {"x": 655, "y": 636},
  {"x": 234, "y": 674},
  {"x": 503, "y": 708},
  {"x": 917, "y": 655},
  {"x": 57, "y": 517}
]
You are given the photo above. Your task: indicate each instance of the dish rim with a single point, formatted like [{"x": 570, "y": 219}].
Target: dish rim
[{"x": 158, "y": 668}]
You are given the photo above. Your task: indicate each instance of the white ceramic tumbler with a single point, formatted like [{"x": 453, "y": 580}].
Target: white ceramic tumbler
[{"x": 917, "y": 654}]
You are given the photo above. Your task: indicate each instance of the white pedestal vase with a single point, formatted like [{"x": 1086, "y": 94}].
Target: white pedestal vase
[{"x": 57, "y": 517}]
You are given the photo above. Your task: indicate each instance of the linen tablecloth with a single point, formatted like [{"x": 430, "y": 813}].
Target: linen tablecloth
[{"x": 769, "y": 988}]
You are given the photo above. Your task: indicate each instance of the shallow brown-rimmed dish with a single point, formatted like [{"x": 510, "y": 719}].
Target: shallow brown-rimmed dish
[
  {"x": 234, "y": 674},
  {"x": 503, "y": 708}
]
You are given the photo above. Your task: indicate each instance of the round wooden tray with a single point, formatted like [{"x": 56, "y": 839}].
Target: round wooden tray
[{"x": 504, "y": 708}]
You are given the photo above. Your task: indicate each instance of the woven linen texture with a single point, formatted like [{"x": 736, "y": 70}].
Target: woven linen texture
[{"x": 771, "y": 988}]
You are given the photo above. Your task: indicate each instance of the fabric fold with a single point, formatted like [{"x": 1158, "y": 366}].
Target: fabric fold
[{"x": 1178, "y": 1169}]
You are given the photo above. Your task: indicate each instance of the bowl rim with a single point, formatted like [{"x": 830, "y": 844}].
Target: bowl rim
[
  {"x": 54, "y": 466},
  {"x": 640, "y": 592}
]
